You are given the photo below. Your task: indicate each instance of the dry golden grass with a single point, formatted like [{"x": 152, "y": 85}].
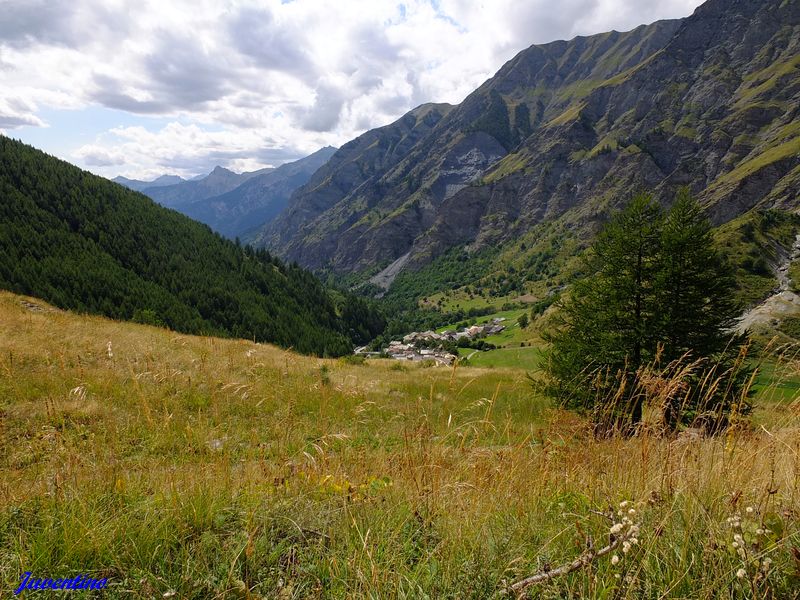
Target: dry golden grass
[{"x": 222, "y": 468}]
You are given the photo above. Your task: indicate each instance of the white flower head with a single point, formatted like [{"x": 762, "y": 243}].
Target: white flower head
[
  {"x": 741, "y": 573},
  {"x": 615, "y": 560},
  {"x": 626, "y": 547},
  {"x": 749, "y": 510}
]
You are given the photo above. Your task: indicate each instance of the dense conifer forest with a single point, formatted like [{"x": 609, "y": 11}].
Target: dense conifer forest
[{"x": 87, "y": 244}]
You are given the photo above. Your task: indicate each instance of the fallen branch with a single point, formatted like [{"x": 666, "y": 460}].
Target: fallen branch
[{"x": 583, "y": 560}]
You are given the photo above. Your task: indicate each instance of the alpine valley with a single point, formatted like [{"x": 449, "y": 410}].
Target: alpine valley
[{"x": 542, "y": 343}]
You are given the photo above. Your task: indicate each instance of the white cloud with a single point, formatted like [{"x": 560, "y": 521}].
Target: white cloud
[
  {"x": 289, "y": 77},
  {"x": 16, "y": 111}
]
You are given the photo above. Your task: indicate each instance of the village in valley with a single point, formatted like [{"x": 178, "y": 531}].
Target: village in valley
[{"x": 430, "y": 345}]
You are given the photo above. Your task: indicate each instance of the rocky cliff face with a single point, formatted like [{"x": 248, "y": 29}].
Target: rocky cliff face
[{"x": 569, "y": 130}]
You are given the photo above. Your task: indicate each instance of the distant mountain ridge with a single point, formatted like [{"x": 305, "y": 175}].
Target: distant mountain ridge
[
  {"x": 233, "y": 204},
  {"x": 139, "y": 185},
  {"x": 567, "y": 131},
  {"x": 218, "y": 181},
  {"x": 258, "y": 200}
]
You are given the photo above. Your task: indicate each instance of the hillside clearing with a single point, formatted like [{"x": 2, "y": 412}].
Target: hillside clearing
[{"x": 227, "y": 469}]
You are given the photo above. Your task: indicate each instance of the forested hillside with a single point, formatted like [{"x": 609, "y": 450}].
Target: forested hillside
[{"x": 86, "y": 244}]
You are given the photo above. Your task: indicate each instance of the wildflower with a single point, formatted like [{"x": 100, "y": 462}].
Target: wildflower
[
  {"x": 632, "y": 511},
  {"x": 624, "y": 504},
  {"x": 626, "y": 546},
  {"x": 616, "y": 528},
  {"x": 615, "y": 560},
  {"x": 766, "y": 563},
  {"x": 749, "y": 510},
  {"x": 735, "y": 545},
  {"x": 634, "y": 541},
  {"x": 738, "y": 538},
  {"x": 109, "y": 353},
  {"x": 741, "y": 573},
  {"x": 759, "y": 531}
]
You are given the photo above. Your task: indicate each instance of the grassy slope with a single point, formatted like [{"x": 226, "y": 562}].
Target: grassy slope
[
  {"x": 210, "y": 467},
  {"x": 751, "y": 242}
]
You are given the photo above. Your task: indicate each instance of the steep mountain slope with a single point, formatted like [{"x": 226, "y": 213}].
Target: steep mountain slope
[
  {"x": 348, "y": 192},
  {"x": 376, "y": 218},
  {"x": 138, "y": 185},
  {"x": 258, "y": 200},
  {"x": 715, "y": 109},
  {"x": 567, "y": 130},
  {"x": 84, "y": 243},
  {"x": 219, "y": 181}
]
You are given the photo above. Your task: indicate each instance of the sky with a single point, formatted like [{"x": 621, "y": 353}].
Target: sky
[{"x": 143, "y": 88}]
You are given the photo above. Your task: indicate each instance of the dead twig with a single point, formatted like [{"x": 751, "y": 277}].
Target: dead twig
[{"x": 582, "y": 561}]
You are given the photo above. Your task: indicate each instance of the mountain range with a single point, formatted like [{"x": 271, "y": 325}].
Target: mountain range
[
  {"x": 490, "y": 201},
  {"x": 139, "y": 185},
  {"x": 232, "y": 203},
  {"x": 561, "y": 135},
  {"x": 257, "y": 200},
  {"x": 218, "y": 181}
]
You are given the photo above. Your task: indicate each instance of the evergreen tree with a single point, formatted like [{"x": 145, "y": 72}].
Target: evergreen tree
[
  {"x": 695, "y": 285},
  {"x": 657, "y": 290},
  {"x": 697, "y": 292},
  {"x": 608, "y": 323}
]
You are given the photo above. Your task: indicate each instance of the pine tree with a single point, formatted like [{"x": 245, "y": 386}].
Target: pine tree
[
  {"x": 609, "y": 322},
  {"x": 658, "y": 290},
  {"x": 697, "y": 292},
  {"x": 695, "y": 285}
]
